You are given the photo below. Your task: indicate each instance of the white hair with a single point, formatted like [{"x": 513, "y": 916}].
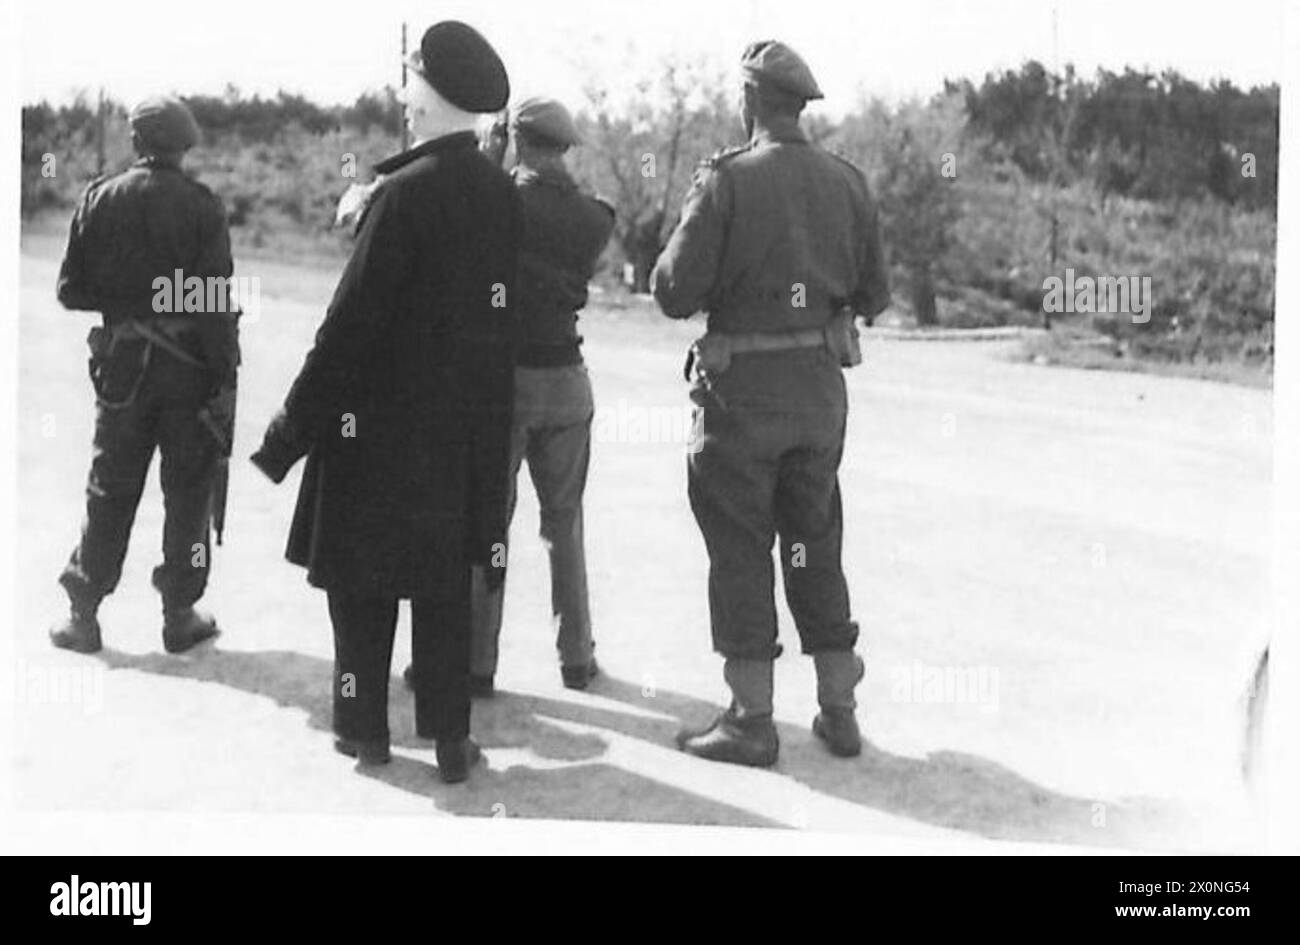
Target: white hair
[{"x": 432, "y": 115}]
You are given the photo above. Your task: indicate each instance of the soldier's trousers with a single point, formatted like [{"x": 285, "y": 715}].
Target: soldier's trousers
[
  {"x": 364, "y": 626},
  {"x": 764, "y": 463},
  {"x": 137, "y": 412},
  {"x": 552, "y": 431}
]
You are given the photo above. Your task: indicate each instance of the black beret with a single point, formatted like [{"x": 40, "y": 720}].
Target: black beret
[
  {"x": 462, "y": 67},
  {"x": 164, "y": 124}
]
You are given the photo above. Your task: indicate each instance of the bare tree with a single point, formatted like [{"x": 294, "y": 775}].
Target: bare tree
[
  {"x": 641, "y": 153},
  {"x": 913, "y": 150}
]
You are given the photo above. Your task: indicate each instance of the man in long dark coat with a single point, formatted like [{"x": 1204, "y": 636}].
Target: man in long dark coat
[{"x": 403, "y": 410}]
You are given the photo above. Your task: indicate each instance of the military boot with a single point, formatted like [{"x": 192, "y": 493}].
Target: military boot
[
  {"x": 838, "y": 673},
  {"x": 580, "y": 676},
  {"x": 744, "y": 733},
  {"x": 455, "y": 757},
  {"x": 186, "y": 628},
  {"x": 79, "y": 633}
]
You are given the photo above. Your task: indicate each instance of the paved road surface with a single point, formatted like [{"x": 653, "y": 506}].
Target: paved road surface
[{"x": 1059, "y": 574}]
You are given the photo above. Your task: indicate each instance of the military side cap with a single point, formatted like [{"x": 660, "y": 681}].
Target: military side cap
[
  {"x": 164, "y": 124},
  {"x": 775, "y": 64},
  {"x": 545, "y": 118},
  {"x": 462, "y": 67}
]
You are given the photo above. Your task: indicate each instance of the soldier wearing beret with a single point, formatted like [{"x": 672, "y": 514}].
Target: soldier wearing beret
[
  {"x": 402, "y": 409},
  {"x": 564, "y": 233},
  {"x": 155, "y": 371},
  {"x": 779, "y": 243}
]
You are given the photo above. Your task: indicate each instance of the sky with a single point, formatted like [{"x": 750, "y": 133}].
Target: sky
[{"x": 332, "y": 52}]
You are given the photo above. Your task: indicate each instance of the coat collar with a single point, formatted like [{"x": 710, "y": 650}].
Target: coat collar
[
  {"x": 785, "y": 134},
  {"x": 156, "y": 161},
  {"x": 559, "y": 176},
  {"x": 458, "y": 139}
]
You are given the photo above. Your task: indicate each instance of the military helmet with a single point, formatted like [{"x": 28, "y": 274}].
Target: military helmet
[{"x": 163, "y": 123}]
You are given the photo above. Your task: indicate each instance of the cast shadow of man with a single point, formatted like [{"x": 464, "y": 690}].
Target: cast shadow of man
[
  {"x": 561, "y": 774},
  {"x": 562, "y": 777},
  {"x": 946, "y": 789}
]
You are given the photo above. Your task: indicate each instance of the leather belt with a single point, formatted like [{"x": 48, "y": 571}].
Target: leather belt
[{"x": 777, "y": 340}]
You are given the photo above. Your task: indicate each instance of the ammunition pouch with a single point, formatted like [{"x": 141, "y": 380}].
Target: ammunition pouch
[
  {"x": 842, "y": 338},
  {"x": 708, "y": 357},
  {"x": 117, "y": 366}
]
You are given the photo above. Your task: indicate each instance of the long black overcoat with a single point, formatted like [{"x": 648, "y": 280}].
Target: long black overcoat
[{"x": 402, "y": 406}]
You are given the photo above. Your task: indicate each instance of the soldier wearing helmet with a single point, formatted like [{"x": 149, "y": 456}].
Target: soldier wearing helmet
[{"x": 155, "y": 371}]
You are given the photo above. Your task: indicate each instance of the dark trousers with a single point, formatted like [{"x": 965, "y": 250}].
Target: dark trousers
[
  {"x": 364, "y": 626},
  {"x": 146, "y": 403},
  {"x": 769, "y": 436}
]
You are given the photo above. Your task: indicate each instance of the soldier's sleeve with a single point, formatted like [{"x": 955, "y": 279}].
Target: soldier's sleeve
[
  {"x": 218, "y": 333},
  {"x": 214, "y": 239},
  {"x": 359, "y": 313},
  {"x": 872, "y": 294},
  {"x": 686, "y": 272},
  {"x": 72, "y": 290}
]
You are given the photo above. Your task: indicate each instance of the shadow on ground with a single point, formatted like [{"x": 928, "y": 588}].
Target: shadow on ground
[{"x": 944, "y": 789}]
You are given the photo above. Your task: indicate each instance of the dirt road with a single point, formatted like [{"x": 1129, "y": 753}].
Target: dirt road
[{"x": 1059, "y": 576}]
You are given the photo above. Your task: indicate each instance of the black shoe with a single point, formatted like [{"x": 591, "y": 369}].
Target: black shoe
[
  {"x": 480, "y": 687},
  {"x": 733, "y": 740},
  {"x": 838, "y": 729},
  {"x": 185, "y": 629},
  {"x": 79, "y": 633},
  {"x": 456, "y": 757},
  {"x": 577, "y": 677},
  {"x": 367, "y": 752}
]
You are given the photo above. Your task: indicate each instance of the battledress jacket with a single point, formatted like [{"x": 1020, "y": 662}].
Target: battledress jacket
[
  {"x": 150, "y": 221},
  {"x": 402, "y": 406}
]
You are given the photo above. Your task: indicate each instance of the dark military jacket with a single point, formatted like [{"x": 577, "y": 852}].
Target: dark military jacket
[
  {"x": 565, "y": 232},
  {"x": 403, "y": 404},
  {"x": 764, "y": 219},
  {"x": 131, "y": 228}
]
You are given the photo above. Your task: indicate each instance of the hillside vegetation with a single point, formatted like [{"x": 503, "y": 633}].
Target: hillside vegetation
[{"x": 986, "y": 191}]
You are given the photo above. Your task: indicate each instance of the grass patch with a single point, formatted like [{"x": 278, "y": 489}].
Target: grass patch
[{"x": 1075, "y": 347}]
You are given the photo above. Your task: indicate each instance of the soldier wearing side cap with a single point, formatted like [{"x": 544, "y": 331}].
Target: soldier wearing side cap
[
  {"x": 402, "y": 409},
  {"x": 156, "y": 372},
  {"x": 564, "y": 233},
  {"x": 779, "y": 243}
]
